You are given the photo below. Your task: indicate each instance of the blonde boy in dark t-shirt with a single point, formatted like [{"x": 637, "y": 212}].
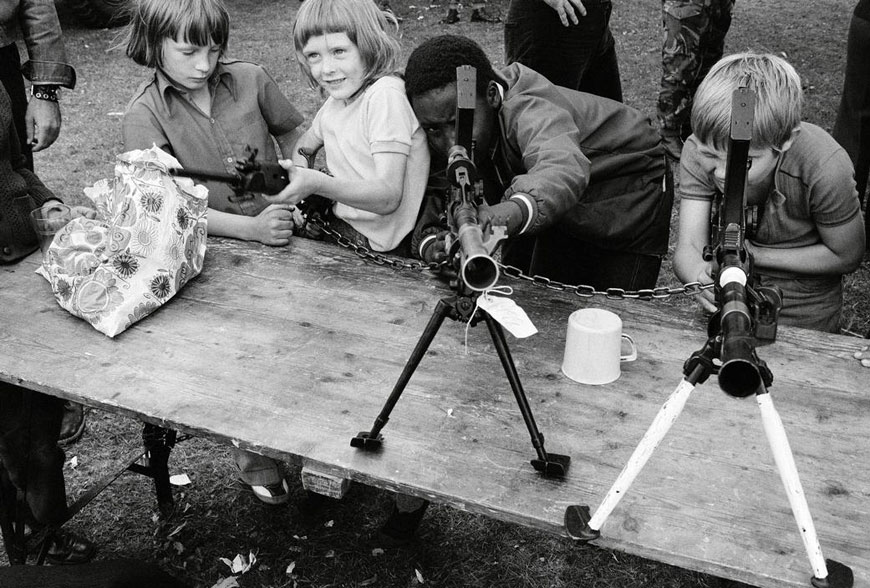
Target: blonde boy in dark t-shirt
[{"x": 809, "y": 230}]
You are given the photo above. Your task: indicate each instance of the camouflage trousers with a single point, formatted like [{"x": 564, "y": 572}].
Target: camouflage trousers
[{"x": 694, "y": 39}]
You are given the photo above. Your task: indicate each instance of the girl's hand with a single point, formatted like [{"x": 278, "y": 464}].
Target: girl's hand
[
  {"x": 303, "y": 183},
  {"x": 274, "y": 225}
]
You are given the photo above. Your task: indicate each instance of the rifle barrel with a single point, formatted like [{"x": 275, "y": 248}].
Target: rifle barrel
[{"x": 206, "y": 176}]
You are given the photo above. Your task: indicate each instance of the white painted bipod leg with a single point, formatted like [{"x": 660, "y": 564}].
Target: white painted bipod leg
[
  {"x": 784, "y": 459},
  {"x": 660, "y": 426}
]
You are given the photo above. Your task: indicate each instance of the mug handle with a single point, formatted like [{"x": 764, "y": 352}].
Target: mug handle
[{"x": 633, "y": 354}]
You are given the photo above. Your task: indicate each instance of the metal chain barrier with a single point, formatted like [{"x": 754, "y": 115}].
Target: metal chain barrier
[{"x": 584, "y": 291}]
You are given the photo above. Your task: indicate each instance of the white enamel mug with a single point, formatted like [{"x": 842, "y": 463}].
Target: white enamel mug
[{"x": 593, "y": 347}]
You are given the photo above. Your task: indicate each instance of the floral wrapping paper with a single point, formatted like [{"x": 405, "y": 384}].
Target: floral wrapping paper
[{"x": 148, "y": 240}]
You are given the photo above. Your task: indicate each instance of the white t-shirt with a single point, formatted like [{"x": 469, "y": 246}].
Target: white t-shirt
[{"x": 378, "y": 121}]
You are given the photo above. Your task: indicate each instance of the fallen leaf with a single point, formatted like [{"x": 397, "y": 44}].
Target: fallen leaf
[
  {"x": 240, "y": 564},
  {"x": 419, "y": 575},
  {"x": 290, "y": 568},
  {"x": 177, "y": 529},
  {"x": 179, "y": 548},
  {"x": 369, "y": 581},
  {"x": 179, "y": 480},
  {"x": 329, "y": 523},
  {"x": 227, "y": 583},
  {"x": 330, "y": 553},
  {"x": 377, "y": 551}
]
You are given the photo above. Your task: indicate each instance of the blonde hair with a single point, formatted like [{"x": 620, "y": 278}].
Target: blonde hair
[
  {"x": 199, "y": 22},
  {"x": 363, "y": 23},
  {"x": 778, "y": 97}
]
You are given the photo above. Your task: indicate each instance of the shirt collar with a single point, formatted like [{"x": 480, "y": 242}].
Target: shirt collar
[{"x": 221, "y": 75}]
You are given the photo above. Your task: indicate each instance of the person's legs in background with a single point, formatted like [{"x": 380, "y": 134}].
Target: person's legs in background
[
  {"x": 13, "y": 80},
  {"x": 30, "y": 423},
  {"x": 478, "y": 13},
  {"x": 580, "y": 57},
  {"x": 694, "y": 39},
  {"x": 852, "y": 128}
]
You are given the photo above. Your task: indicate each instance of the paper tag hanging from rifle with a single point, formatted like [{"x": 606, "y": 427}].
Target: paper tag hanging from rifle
[{"x": 507, "y": 313}]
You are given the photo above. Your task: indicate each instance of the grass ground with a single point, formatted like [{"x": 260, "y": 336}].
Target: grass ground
[{"x": 217, "y": 517}]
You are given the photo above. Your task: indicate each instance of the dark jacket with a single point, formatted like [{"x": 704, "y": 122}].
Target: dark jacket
[
  {"x": 17, "y": 238},
  {"x": 591, "y": 165}
]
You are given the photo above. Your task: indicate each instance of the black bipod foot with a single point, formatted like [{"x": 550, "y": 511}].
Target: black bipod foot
[
  {"x": 554, "y": 466},
  {"x": 839, "y": 576},
  {"x": 365, "y": 440},
  {"x": 577, "y": 519}
]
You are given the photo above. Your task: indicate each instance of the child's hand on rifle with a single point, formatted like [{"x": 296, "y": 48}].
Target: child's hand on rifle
[
  {"x": 706, "y": 298},
  {"x": 274, "y": 225},
  {"x": 303, "y": 183}
]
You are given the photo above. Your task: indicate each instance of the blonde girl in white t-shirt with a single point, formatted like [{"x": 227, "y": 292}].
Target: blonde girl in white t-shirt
[{"x": 375, "y": 149}]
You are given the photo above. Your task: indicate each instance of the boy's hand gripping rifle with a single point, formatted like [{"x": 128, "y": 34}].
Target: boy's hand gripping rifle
[{"x": 469, "y": 245}]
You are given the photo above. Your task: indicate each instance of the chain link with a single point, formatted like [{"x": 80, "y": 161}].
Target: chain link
[
  {"x": 373, "y": 256},
  {"x": 581, "y": 290},
  {"x": 584, "y": 291}
]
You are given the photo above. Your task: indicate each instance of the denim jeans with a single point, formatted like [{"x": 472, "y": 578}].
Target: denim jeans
[
  {"x": 580, "y": 57},
  {"x": 403, "y": 249}
]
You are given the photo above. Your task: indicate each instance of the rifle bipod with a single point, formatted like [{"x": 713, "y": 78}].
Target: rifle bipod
[
  {"x": 700, "y": 365},
  {"x": 463, "y": 308}
]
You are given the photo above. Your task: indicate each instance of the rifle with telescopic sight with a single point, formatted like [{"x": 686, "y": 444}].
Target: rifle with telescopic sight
[
  {"x": 469, "y": 245},
  {"x": 746, "y": 314}
]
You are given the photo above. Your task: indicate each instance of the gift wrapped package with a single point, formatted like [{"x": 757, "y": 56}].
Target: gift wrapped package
[{"x": 147, "y": 241}]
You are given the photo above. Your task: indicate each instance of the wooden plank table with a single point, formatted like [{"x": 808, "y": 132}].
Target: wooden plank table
[{"x": 292, "y": 351}]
